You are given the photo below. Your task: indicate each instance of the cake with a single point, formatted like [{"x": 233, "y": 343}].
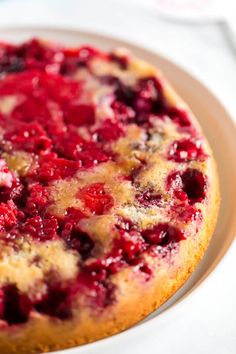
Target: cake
[{"x": 108, "y": 194}]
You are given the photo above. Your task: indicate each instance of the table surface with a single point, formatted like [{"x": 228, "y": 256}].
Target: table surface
[{"x": 208, "y": 323}]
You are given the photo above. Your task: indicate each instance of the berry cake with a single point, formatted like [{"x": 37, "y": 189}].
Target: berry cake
[{"x": 108, "y": 194}]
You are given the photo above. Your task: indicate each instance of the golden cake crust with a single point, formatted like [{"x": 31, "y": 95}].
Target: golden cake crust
[{"x": 135, "y": 297}]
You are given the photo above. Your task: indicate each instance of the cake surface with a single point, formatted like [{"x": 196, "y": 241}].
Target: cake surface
[{"x": 108, "y": 194}]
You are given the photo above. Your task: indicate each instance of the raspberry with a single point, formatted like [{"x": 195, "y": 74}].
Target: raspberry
[
  {"x": 186, "y": 150},
  {"x": 72, "y": 146},
  {"x": 81, "y": 114},
  {"x": 30, "y": 137},
  {"x": 37, "y": 199},
  {"x": 41, "y": 229},
  {"x": 109, "y": 131},
  {"x": 179, "y": 116},
  {"x": 190, "y": 185},
  {"x": 149, "y": 96},
  {"x": 194, "y": 185},
  {"x": 163, "y": 234},
  {"x": 55, "y": 302},
  {"x": 122, "y": 112},
  {"x": 79, "y": 241},
  {"x": 15, "y": 307},
  {"x": 52, "y": 168},
  {"x": 8, "y": 215},
  {"x": 96, "y": 199}
]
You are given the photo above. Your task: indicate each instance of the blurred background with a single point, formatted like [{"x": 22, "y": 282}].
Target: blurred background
[{"x": 200, "y": 36}]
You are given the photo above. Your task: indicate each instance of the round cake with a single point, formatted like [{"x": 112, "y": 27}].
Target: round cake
[{"x": 108, "y": 194}]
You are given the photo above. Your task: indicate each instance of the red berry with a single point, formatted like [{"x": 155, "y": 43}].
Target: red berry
[
  {"x": 37, "y": 199},
  {"x": 109, "y": 131},
  {"x": 186, "y": 150},
  {"x": 80, "y": 114},
  {"x": 41, "y": 229},
  {"x": 96, "y": 199},
  {"x": 30, "y": 137},
  {"x": 190, "y": 185},
  {"x": 163, "y": 234},
  {"x": 8, "y": 215},
  {"x": 52, "y": 168},
  {"x": 122, "y": 112}
]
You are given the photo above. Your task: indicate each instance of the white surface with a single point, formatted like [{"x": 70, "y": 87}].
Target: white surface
[{"x": 207, "y": 323}]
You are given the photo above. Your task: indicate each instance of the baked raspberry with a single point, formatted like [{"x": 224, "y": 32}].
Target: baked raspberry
[
  {"x": 190, "y": 185},
  {"x": 54, "y": 303},
  {"x": 72, "y": 146},
  {"x": 163, "y": 234},
  {"x": 30, "y": 137},
  {"x": 53, "y": 168},
  {"x": 109, "y": 131},
  {"x": 186, "y": 150},
  {"x": 37, "y": 199},
  {"x": 81, "y": 114},
  {"x": 122, "y": 112},
  {"x": 96, "y": 199},
  {"x": 8, "y": 215},
  {"x": 15, "y": 307},
  {"x": 42, "y": 229}
]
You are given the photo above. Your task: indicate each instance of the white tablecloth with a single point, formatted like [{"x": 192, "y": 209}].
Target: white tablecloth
[{"x": 208, "y": 322}]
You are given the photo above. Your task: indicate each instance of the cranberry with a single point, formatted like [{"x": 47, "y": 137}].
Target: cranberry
[
  {"x": 96, "y": 199},
  {"x": 186, "y": 150},
  {"x": 163, "y": 234}
]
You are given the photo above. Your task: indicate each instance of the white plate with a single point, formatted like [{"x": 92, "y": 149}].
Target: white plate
[{"x": 221, "y": 133}]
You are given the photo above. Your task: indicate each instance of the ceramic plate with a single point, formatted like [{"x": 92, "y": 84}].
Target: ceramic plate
[{"x": 217, "y": 126}]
